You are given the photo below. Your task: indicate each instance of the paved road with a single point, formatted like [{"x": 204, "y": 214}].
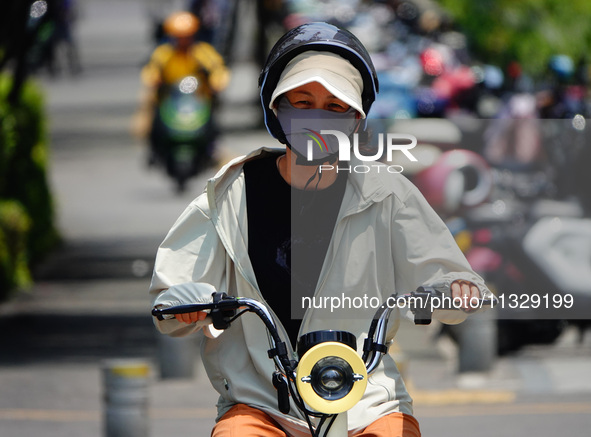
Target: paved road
[{"x": 90, "y": 301}]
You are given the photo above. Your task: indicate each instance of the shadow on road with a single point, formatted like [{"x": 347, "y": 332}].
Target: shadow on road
[{"x": 74, "y": 338}]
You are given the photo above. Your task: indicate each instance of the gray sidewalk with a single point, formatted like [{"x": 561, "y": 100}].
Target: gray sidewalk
[{"x": 61, "y": 335}]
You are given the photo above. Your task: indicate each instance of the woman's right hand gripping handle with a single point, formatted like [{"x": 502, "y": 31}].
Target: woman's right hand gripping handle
[
  {"x": 188, "y": 307},
  {"x": 194, "y": 317},
  {"x": 183, "y": 295}
]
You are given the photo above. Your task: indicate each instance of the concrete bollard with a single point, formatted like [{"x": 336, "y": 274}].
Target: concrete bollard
[
  {"x": 126, "y": 398},
  {"x": 477, "y": 341},
  {"x": 177, "y": 356}
]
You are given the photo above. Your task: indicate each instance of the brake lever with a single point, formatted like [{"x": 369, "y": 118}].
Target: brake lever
[
  {"x": 423, "y": 312},
  {"x": 224, "y": 311}
]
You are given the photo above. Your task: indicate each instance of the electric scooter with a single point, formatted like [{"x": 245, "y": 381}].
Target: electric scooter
[
  {"x": 183, "y": 133},
  {"x": 330, "y": 377}
]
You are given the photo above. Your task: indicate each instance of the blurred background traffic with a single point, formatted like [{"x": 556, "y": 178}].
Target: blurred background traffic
[{"x": 496, "y": 93}]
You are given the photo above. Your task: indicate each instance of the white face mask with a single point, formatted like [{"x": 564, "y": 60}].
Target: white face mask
[{"x": 303, "y": 125}]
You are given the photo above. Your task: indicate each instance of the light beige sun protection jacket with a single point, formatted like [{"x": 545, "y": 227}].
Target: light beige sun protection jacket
[{"x": 386, "y": 239}]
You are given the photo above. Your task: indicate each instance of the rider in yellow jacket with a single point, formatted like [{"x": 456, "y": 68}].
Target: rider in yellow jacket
[{"x": 172, "y": 61}]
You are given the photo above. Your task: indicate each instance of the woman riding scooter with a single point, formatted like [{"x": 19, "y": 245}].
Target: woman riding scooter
[{"x": 274, "y": 227}]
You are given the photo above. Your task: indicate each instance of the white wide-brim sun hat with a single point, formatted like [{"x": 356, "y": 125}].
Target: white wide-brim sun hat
[{"x": 333, "y": 72}]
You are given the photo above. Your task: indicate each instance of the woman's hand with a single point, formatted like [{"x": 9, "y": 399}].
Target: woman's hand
[
  {"x": 466, "y": 291},
  {"x": 193, "y": 317}
]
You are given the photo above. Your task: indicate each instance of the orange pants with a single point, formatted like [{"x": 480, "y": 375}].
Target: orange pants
[{"x": 244, "y": 421}]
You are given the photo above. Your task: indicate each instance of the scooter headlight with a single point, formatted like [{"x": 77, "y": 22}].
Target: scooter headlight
[
  {"x": 188, "y": 85},
  {"x": 331, "y": 377}
]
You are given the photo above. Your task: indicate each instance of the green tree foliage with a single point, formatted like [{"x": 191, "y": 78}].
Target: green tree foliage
[
  {"x": 526, "y": 31},
  {"x": 14, "y": 266},
  {"x": 27, "y": 229}
]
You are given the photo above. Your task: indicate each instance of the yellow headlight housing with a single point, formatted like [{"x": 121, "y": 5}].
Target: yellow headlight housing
[{"x": 331, "y": 377}]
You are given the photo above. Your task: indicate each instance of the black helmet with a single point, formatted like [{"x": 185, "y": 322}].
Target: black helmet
[{"x": 317, "y": 37}]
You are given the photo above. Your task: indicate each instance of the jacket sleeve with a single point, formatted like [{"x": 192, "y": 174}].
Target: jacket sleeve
[
  {"x": 189, "y": 266},
  {"x": 151, "y": 73},
  {"x": 426, "y": 254}
]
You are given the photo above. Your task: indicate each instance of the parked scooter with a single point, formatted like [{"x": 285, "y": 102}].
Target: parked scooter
[
  {"x": 530, "y": 248},
  {"x": 330, "y": 376},
  {"x": 534, "y": 249},
  {"x": 183, "y": 133}
]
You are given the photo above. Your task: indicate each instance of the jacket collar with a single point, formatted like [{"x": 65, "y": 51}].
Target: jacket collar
[{"x": 231, "y": 170}]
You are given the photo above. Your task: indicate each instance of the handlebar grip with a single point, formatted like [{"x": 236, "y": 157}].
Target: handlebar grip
[
  {"x": 221, "y": 303},
  {"x": 159, "y": 313}
]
